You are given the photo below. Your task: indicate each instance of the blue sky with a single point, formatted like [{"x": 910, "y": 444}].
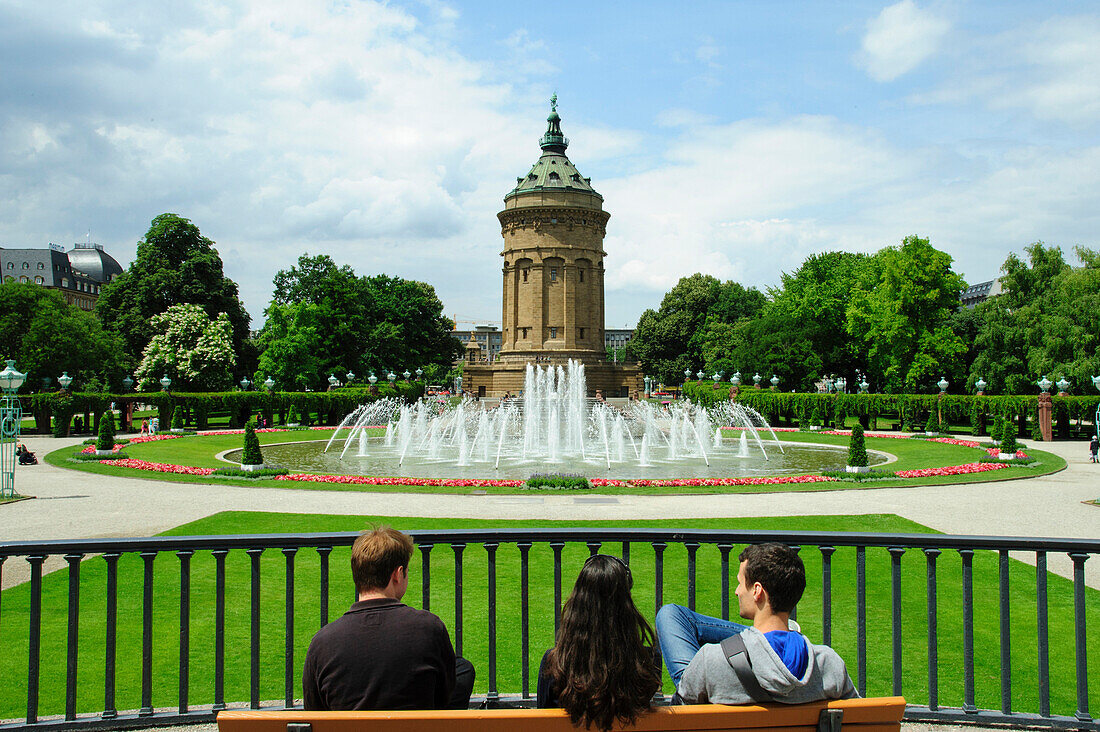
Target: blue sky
[{"x": 729, "y": 138}]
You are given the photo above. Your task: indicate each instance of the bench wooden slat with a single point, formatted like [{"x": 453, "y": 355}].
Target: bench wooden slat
[{"x": 882, "y": 714}]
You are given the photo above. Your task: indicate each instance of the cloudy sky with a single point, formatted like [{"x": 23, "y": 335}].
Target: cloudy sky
[{"x": 733, "y": 138}]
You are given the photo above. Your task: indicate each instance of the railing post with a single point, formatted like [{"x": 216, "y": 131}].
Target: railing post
[
  {"x": 557, "y": 546},
  {"x": 426, "y": 576},
  {"x": 933, "y": 634},
  {"x": 323, "y": 553},
  {"x": 827, "y": 594},
  {"x": 492, "y": 696},
  {"x": 1006, "y": 633},
  {"x": 219, "y": 628},
  {"x": 146, "y": 710},
  {"x": 724, "y": 550},
  {"x": 34, "y": 640},
  {"x": 967, "y": 556},
  {"x": 861, "y": 617},
  {"x": 524, "y": 619},
  {"x": 692, "y": 547},
  {"x": 658, "y": 574},
  {"x": 896, "y": 553},
  {"x": 1079, "y": 636},
  {"x": 110, "y": 639},
  {"x": 1041, "y": 632},
  {"x": 254, "y": 627},
  {"x": 185, "y": 628},
  {"x": 288, "y": 648},
  {"x": 73, "y": 640},
  {"x": 458, "y": 549}
]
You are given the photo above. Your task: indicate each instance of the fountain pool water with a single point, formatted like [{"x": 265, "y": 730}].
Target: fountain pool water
[{"x": 554, "y": 427}]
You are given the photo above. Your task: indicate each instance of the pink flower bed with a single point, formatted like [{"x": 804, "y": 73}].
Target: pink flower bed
[
  {"x": 133, "y": 441},
  {"x": 158, "y": 467},
  {"x": 681, "y": 482},
  {"x": 995, "y": 451},
  {"x": 951, "y": 470},
  {"x": 953, "y": 441},
  {"x": 372, "y": 480},
  {"x": 207, "y": 433}
]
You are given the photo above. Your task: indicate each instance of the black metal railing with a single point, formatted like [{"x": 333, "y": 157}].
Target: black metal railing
[{"x": 867, "y": 603}]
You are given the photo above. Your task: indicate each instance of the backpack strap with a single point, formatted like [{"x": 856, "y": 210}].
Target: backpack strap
[{"x": 733, "y": 648}]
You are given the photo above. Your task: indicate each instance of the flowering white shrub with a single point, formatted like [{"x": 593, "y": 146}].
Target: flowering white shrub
[{"x": 193, "y": 350}]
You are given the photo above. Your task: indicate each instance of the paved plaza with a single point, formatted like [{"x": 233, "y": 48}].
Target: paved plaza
[{"x": 71, "y": 504}]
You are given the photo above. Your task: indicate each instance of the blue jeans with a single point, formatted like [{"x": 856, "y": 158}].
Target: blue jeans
[{"x": 682, "y": 632}]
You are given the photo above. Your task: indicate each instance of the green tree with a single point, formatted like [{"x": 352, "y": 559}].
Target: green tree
[
  {"x": 47, "y": 337},
  {"x": 325, "y": 319},
  {"x": 251, "y": 454},
  {"x": 689, "y": 322},
  {"x": 857, "y": 448},
  {"x": 105, "y": 440},
  {"x": 902, "y": 315},
  {"x": 193, "y": 350},
  {"x": 175, "y": 264}
]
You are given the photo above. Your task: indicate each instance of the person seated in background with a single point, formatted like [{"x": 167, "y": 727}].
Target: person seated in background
[
  {"x": 26, "y": 457},
  {"x": 603, "y": 668},
  {"x": 382, "y": 654},
  {"x": 721, "y": 662}
]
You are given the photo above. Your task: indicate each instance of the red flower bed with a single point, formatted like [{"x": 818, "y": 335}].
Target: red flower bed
[
  {"x": 158, "y": 467},
  {"x": 133, "y": 441},
  {"x": 995, "y": 451},
  {"x": 950, "y": 470},
  {"x": 682, "y": 482},
  {"x": 373, "y": 480}
]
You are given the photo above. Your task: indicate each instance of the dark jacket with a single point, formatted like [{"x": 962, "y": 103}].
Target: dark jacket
[{"x": 380, "y": 654}]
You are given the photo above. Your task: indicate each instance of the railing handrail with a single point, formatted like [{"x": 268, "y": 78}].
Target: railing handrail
[{"x": 570, "y": 534}]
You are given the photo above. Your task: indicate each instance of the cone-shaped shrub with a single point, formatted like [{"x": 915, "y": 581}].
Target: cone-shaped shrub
[
  {"x": 292, "y": 415},
  {"x": 177, "y": 418},
  {"x": 996, "y": 429},
  {"x": 252, "y": 454},
  {"x": 857, "y": 451},
  {"x": 1008, "y": 436},
  {"x": 933, "y": 424},
  {"x": 106, "y": 438}
]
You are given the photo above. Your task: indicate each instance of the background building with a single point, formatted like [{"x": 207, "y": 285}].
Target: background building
[{"x": 78, "y": 274}]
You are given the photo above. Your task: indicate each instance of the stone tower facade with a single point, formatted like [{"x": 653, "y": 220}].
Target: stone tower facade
[{"x": 553, "y": 225}]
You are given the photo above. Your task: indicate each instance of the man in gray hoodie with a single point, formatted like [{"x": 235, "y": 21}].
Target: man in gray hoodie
[{"x": 787, "y": 667}]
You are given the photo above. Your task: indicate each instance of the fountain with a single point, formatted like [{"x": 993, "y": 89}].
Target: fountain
[{"x": 555, "y": 426}]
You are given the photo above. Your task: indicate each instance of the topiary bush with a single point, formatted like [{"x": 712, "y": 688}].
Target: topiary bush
[
  {"x": 976, "y": 421},
  {"x": 106, "y": 438},
  {"x": 177, "y": 418},
  {"x": 857, "y": 449},
  {"x": 1008, "y": 438},
  {"x": 997, "y": 428},
  {"x": 932, "y": 424},
  {"x": 252, "y": 454},
  {"x": 292, "y": 415}
]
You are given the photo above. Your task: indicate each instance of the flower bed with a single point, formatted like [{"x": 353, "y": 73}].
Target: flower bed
[
  {"x": 158, "y": 467},
  {"x": 683, "y": 482},
  {"x": 133, "y": 441},
  {"x": 950, "y": 470},
  {"x": 209, "y": 433}
]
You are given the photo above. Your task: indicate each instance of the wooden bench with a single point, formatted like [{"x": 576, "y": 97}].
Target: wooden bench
[{"x": 855, "y": 715}]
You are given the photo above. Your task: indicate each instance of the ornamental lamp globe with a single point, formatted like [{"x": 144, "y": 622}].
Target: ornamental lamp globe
[
  {"x": 391, "y": 376},
  {"x": 407, "y": 374},
  {"x": 10, "y": 378},
  {"x": 64, "y": 380},
  {"x": 245, "y": 383},
  {"x": 332, "y": 380},
  {"x": 701, "y": 374},
  {"x": 269, "y": 383},
  {"x": 127, "y": 383},
  {"x": 1044, "y": 384},
  {"x": 736, "y": 378},
  {"x": 1096, "y": 382},
  {"x": 419, "y": 373},
  {"x": 943, "y": 384},
  {"x": 717, "y": 377},
  {"x": 774, "y": 380},
  {"x": 980, "y": 384},
  {"x": 687, "y": 375},
  {"x": 165, "y": 382},
  {"x": 350, "y": 377},
  {"x": 756, "y": 379},
  {"x": 863, "y": 386},
  {"x": 1063, "y": 385},
  {"x": 372, "y": 379}
]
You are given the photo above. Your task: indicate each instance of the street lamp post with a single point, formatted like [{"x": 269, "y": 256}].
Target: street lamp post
[
  {"x": 11, "y": 418},
  {"x": 1096, "y": 419},
  {"x": 646, "y": 383}
]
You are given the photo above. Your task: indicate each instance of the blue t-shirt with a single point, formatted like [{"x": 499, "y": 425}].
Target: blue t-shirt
[{"x": 791, "y": 648}]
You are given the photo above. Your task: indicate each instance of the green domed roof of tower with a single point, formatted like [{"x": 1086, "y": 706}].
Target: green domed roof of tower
[{"x": 553, "y": 171}]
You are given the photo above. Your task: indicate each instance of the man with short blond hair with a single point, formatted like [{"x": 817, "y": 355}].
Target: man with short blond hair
[{"x": 383, "y": 654}]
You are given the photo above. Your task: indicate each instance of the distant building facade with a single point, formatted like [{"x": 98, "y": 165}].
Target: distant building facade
[
  {"x": 971, "y": 296},
  {"x": 487, "y": 338},
  {"x": 78, "y": 274},
  {"x": 617, "y": 337}
]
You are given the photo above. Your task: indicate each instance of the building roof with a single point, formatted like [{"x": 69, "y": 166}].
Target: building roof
[
  {"x": 94, "y": 262},
  {"x": 553, "y": 171}
]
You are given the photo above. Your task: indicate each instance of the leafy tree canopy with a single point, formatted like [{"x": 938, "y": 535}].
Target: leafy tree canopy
[
  {"x": 902, "y": 315},
  {"x": 325, "y": 319},
  {"x": 674, "y": 338},
  {"x": 175, "y": 264},
  {"x": 47, "y": 337}
]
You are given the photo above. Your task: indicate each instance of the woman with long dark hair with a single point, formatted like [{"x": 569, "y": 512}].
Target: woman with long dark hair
[{"x": 602, "y": 668}]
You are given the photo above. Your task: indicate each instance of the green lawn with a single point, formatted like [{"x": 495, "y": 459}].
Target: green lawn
[
  {"x": 13, "y": 621},
  {"x": 911, "y": 453}
]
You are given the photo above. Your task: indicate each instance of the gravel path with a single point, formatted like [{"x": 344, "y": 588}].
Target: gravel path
[{"x": 74, "y": 504}]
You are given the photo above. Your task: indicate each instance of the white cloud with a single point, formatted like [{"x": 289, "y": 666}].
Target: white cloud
[{"x": 899, "y": 39}]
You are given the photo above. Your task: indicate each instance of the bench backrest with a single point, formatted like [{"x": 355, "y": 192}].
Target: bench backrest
[{"x": 882, "y": 714}]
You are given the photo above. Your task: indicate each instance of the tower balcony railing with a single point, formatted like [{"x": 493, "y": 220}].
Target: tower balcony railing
[{"x": 169, "y": 630}]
